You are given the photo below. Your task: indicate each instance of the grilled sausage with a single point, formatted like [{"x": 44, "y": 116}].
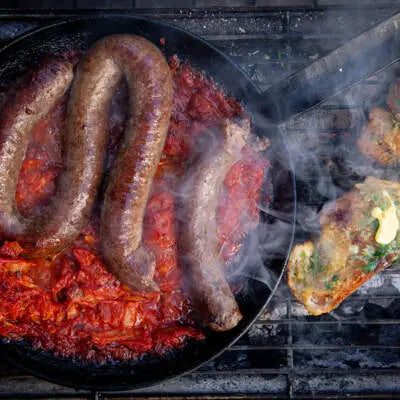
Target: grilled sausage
[
  {"x": 27, "y": 103},
  {"x": 211, "y": 291},
  {"x": 150, "y": 91}
]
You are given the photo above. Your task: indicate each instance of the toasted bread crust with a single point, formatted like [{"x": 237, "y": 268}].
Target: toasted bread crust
[
  {"x": 321, "y": 283},
  {"x": 380, "y": 138}
]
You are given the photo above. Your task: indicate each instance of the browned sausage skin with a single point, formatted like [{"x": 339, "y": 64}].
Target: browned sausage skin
[
  {"x": 84, "y": 151},
  {"x": 27, "y": 103},
  {"x": 211, "y": 291},
  {"x": 150, "y": 90}
]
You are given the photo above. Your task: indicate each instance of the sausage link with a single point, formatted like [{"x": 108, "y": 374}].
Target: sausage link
[
  {"x": 84, "y": 151},
  {"x": 27, "y": 103},
  {"x": 150, "y": 92},
  {"x": 211, "y": 292}
]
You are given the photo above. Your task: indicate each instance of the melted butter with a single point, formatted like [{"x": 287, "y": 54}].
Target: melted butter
[{"x": 388, "y": 222}]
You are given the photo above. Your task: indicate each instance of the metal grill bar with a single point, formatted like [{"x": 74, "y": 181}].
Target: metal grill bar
[{"x": 278, "y": 358}]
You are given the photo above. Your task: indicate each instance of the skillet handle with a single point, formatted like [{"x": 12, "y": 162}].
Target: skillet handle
[{"x": 343, "y": 67}]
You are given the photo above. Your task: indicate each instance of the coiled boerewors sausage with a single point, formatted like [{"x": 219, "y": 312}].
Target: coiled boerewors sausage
[
  {"x": 27, "y": 103},
  {"x": 150, "y": 101},
  {"x": 211, "y": 292}
]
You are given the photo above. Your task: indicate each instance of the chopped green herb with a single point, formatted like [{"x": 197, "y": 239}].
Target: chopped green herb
[
  {"x": 371, "y": 266},
  {"x": 384, "y": 203},
  {"x": 375, "y": 197},
  {"x": 314, "y": 263},
  {"x": 368, "y": 252},
  {"x": 382, "y": 250},
  {"x": 328, "y": 286},
  {"x": 369, "y": 221},
  {"x": 335, "y": 278},
  {"x": 303, "y": 255},
  {"x": 381, "y": 253},
  {"x": 381, "y": 200},
  {"x": 321, "y": 267}
]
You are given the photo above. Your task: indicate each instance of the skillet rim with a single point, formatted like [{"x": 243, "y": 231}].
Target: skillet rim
[{"x": 244, "y": 329}]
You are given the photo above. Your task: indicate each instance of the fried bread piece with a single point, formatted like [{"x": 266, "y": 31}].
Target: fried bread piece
[
  {"x": 359, "y": 237},
  {"x": 380, "y": 138}
]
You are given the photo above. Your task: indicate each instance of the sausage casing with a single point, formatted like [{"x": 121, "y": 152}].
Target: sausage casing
[
  {"x": 27, "y": 103},
  {"x": 210, "y": 289},
  {"x": 150, "y": 101}
]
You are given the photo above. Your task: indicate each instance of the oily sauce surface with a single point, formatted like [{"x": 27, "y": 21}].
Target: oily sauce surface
[{"x": 71, "y": 304}]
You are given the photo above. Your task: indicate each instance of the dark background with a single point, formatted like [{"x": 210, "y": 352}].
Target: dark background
[
  {"x": 188, "y": 3},
  {"x": 286, "y": 354}
]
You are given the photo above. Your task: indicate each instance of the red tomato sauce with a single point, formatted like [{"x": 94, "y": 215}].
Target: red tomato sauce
[{"x": 71, "y": 305}]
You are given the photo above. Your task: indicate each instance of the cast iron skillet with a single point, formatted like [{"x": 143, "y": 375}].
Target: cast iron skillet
[{"x": 21, "y": 55}]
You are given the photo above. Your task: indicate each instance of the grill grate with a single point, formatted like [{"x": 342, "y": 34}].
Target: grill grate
[{"x": 352, "y": 352}]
